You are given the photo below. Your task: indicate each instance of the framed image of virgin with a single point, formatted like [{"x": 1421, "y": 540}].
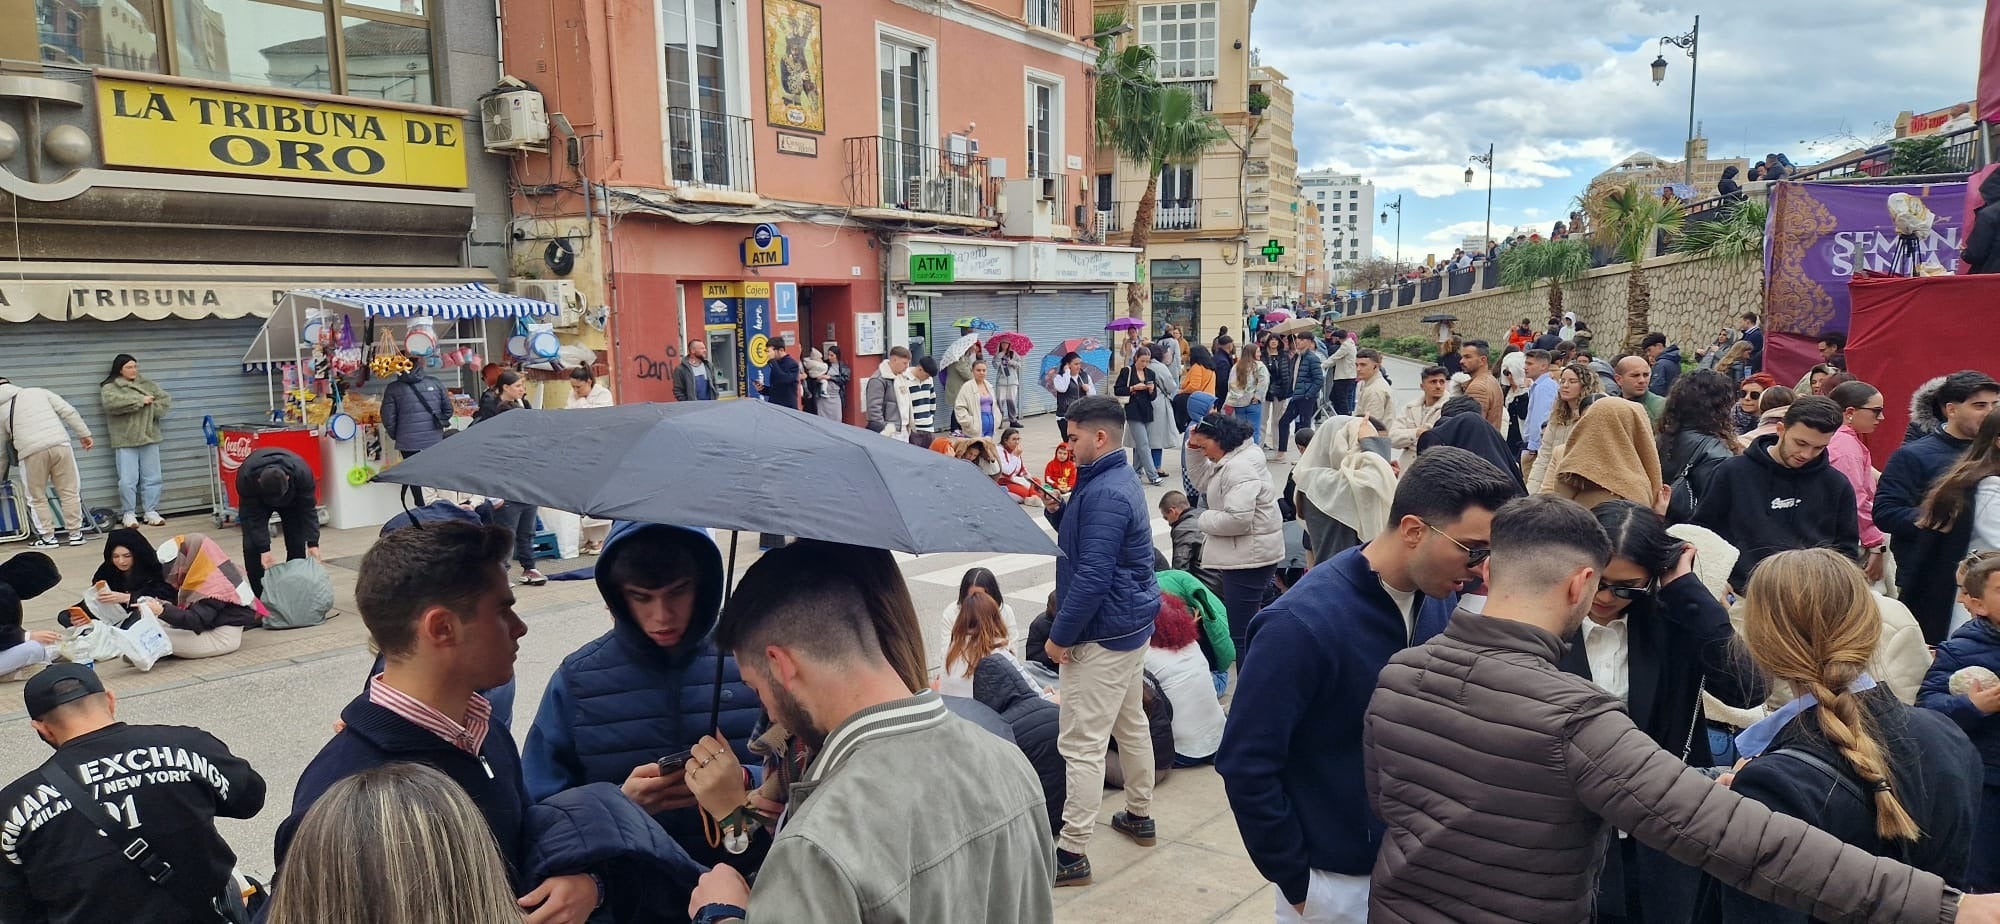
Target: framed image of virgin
[{"x": 794, "y": 69}]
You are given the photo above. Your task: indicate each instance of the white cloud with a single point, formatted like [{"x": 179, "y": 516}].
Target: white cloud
[{"x": 1405, "y": 99}]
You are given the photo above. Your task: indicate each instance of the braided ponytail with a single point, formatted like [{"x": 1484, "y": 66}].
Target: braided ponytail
[{"x": 1811, "y": 621}]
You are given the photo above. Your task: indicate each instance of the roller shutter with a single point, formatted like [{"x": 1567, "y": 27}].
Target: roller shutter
[
  {"x": 1049, "y": 319},
  {"x": 198, "y": 362}
]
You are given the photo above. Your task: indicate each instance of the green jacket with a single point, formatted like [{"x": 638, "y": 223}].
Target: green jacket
[
  {"x": 128, "y": 419},
  {"x": 1207, "y": 610}
]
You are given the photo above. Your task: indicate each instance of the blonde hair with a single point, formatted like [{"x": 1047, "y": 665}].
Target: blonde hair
[
  {"x": 397, "y": 844},
  {"x": 1810, "y": 620},
  {"x": 978, "y": 631}
]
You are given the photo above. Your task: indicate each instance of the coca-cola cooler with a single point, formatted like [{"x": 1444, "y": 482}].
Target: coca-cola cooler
[{"x": 235, "y": 443}]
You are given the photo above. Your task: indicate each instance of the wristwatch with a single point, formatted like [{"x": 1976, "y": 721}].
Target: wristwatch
[{"x": 717, "y": 912}]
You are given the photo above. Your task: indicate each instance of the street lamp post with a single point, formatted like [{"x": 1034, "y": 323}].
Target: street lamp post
[
  {"x": 1692, "y": 43},
  {"x": 1487, "y": 160},
  {"x": 1397, "y": 207}
]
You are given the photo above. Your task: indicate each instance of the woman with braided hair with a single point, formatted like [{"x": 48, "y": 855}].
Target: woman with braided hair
[{"x": 1846, "y": 755}]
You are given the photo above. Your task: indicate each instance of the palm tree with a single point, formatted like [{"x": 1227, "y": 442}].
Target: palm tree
[
  {"x": 1736, "y": 236},
  {"x": 1150, "y": 123},
  {"x": 1631, "y": 222},
  {"x": 1558, "y": 262}
]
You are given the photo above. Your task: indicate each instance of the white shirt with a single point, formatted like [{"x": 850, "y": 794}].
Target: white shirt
[
  {"x": 1198, "y": 719},
  {"x": 1403, "y": 600},
  {"x": 956, "y": 680},
  {"x": 1610, "y": 654}
]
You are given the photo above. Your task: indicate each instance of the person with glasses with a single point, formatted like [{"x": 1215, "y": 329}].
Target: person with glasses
[
  {"x": 1655, "y": 637},
  {"x": 1749, "y": 395},
  {"x": 1291, "y": 757},
  {"x": 1861, "y": 411}
]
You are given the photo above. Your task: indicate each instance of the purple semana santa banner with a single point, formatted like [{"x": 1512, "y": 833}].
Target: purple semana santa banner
[{"x": 1818, "y": 237}]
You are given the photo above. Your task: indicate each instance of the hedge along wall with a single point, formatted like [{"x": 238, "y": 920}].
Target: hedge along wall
[{"x": 1692, "y": 298}]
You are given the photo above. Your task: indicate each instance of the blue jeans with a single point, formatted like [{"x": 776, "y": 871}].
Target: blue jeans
[
  {"x": 1298, "y": 412},
  {"x": 139, "y": 478},
  {"x": 1252, "y": 414}
]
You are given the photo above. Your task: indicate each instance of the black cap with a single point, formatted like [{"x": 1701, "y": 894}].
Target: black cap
[{"x": 53, "y": 687}]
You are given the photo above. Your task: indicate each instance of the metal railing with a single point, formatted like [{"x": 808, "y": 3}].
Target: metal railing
[
  {"x": 1047, "y": 14},
  {"x": 709, "y": 149},
  {"x": 1106, "y": 220},
  {"x": 1177, "y": 215},
  {"x": 887, "y": 173},
  {"x": 1961, "y": 150},
  {"x": 1203, "y": 90}
]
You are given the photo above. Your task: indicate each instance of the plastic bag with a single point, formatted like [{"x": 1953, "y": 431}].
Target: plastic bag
[
  {"x": 90, "y": 642},
  {"x": 145, "y": 643},
  {"x": 109, "y": 612}
]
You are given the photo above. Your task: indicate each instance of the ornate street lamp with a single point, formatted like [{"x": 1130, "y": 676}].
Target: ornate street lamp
[
  {"x": 1397, "y": 207},
  {"x": 1485, "y": 160},
  {"x": 1692, "y": 43}
]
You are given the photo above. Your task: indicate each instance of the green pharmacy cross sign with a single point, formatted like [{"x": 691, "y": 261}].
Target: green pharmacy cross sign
[{"x": 1272, "y": 251}]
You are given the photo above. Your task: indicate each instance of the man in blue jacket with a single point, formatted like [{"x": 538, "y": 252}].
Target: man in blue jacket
[
  {"x": 1291, "y": 758},
  {"x": 1302, "y": 378},
  {"x": 649, "y": 688},
  {"x": 1106, "y": 600},
  {"x": 437, "y": 603},
  {"x": 1952, "y": 409}
]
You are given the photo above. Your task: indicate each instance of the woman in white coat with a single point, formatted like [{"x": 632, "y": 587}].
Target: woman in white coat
[{"x": 1244, "y": 533}]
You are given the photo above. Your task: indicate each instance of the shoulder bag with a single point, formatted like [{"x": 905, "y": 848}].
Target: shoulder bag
[{"x": 225, "y": 907}]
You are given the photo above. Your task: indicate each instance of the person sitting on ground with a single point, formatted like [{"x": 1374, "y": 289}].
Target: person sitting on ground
[
  {"x": 1972, "y": 704},
  {"x": 1211, "y": 617},
  {"x": 1038, "y": 638},
  {"x": 24, "y": 577},
  {"x": 1060, "y": 473},
  {"x": 131, "y": 571},
  {"x": 212, "y": 604},
  {"x": 1018, "y": 694},
  {"x": 983, "y": 581},
  {"x": 1184, "y": 532},
  {"x": 978, "y": 633},
  {"x": 1173, "y": 658},
  {"x": 1903, "y": 781},
  {"x": 1611, "y": 454},
  {"x": 1014, "y": 470},
  {"x": 399, "y": 843}
]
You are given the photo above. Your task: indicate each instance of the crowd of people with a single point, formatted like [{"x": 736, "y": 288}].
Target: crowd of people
[{"x": 1566, "y": 638}]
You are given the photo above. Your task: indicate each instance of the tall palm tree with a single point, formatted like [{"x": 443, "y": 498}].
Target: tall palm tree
[
  {"x": 1149, "y": 123},
  {"x": 1559, "y": 262},
  {"x": 1736, "y": 236},
  {"x": 1631, "y": 222}
]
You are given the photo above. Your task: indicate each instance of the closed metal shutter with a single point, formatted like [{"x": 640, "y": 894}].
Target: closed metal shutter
[
  {"x": 1050, "y": 319},
  {"x": 198, "y": 362},
  {"x": 952, "y": 306}
]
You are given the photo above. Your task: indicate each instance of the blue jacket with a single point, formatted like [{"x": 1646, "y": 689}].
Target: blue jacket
[
  {"x": 1666, "y": 371},
  {"x": 415, "y": 410},
  {"x": 622, "y": 700},
  {"x": 1105, "y": 592},
  {"x": 1291, "y": 758},
  {"x": 1977, "y": 643},
  {"x": 1310, "y": 376},
  {"x": 1926, "y": 560}
]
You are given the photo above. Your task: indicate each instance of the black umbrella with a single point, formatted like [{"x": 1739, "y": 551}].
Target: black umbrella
[
  {"x": 739, "y": 465},
  {"x": 1438, "y": 318}
]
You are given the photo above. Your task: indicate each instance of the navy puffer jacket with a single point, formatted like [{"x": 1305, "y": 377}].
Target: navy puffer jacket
[
  {"x": 1035, "y": 721},
  {"x": 623, "y": 699},
  {"x": 1105, "y": 591},
  {"x": 1975, "y": 644},
  {"x": 415, "y": 410}
]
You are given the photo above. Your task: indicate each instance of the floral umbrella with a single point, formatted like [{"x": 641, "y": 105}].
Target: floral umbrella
[{"x": 1016, "y": 341}]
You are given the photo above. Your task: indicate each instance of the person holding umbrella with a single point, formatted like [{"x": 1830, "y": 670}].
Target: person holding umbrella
[{"x": 1006, "y": 370}]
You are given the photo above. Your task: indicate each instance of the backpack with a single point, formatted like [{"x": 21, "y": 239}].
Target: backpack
[{"x": 297, "y": 593}]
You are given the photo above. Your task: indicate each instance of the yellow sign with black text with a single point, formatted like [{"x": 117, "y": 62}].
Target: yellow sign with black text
[{"x": 166, "y": 126}]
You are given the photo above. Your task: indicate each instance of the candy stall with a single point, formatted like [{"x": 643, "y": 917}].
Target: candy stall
[{"x": 328, "y": 353}]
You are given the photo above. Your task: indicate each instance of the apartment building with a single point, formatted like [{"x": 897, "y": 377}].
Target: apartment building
[
  {"x": 1271, "y": 193},
  {"x": 1194, "y": 263},
  {"x": 1312, "y": 251},
  {"x": 1653, "y": 173},
  {"x": 859, "y": 174},
  {"x": 1346, "y": 217}
]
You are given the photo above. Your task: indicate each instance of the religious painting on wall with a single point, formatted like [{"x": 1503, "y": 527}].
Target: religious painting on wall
[{"x": 794, "y": 68}]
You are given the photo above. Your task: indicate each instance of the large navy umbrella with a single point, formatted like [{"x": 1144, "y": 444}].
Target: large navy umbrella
[{"x": 741, "y": 465}]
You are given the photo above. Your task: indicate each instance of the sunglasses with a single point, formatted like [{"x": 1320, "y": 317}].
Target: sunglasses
[
  {"x": 1625, "y": 593},
  {"x": 1473, "y": 557},
  {"x": 1747, "y": 393}
]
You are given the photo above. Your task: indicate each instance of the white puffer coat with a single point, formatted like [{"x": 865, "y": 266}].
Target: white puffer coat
[
  {"x": 1242, "y": 523},
  {"x": 40, "y": 419}
]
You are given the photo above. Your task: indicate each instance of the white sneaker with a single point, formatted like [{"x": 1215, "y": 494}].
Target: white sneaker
[
  {"x": 130, "y": 521},
  {"x": 153, "y": 518},
  {"x": 76, "y": 538}
]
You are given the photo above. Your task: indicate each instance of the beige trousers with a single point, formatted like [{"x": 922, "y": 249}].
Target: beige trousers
[
  {"x": 1103, "y": 698},
  {"x": 55, "y": 464}
]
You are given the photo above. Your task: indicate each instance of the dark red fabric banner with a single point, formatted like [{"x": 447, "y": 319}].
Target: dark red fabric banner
[
  {"x": 1908, "y": 331},
  {"x": 1989, "y": 65}
]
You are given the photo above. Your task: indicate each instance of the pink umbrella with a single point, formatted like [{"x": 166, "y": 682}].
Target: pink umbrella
[
  {"x": 1277, "y": 315},
  {"x": 1017, "y": 341}
]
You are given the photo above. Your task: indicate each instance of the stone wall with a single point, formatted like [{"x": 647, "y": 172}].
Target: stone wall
[{"x": 1692, "y": 298}]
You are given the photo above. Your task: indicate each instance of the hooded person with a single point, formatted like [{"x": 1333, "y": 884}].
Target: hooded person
[
  {"x": 1346, "y": 483},
  {"x": 1982, "y": 246},
  {"x": 131, "y": 570},
  {"x": 649, "y": 688},
  {"x": 24, "y": 577},
  {"x": 211, "y": 603},
  {"x": 1473, "y": 434},
  {"x": 1611, "y": 454}
]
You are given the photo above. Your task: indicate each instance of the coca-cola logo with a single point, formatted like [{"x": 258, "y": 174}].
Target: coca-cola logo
[{"x": 235, "y": 449}]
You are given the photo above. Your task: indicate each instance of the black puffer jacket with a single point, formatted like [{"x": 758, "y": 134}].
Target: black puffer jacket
[{"x": 999, "y": 686}]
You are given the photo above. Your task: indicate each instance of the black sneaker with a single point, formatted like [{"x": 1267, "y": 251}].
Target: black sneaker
[
  {"x": 1073, "y": 873},
  {"x": 1139, "y": 829},
  {"x": 45, "y": 542}
]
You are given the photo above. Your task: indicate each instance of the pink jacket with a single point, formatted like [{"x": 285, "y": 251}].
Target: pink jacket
[{"x": 1849, "y": 455}]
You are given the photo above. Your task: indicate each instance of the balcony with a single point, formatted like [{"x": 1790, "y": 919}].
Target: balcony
[
  {"x": 1105, "y": 220},
  {"x": 887, "y": 173},
  {"x": 1047, "y": 14},
  {"x": 709, "y": 150},
  {"x": 1177, "y": 215},
  {"x": 1203, "y": 90}
]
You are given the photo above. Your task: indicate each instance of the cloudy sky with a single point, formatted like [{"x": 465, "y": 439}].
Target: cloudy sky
[{"x": 1564, "y": 90}]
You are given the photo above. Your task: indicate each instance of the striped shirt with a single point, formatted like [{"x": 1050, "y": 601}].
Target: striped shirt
[
  {"x": 469, "y": 737},
  {"x": 923, "y": 405}
]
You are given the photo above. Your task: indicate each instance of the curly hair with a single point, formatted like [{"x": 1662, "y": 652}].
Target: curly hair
[
  {"x": 1173, "y": 627},
  {"x": 1699, "y": 402}
]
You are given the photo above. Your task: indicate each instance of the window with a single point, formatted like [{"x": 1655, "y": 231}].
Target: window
[
  {"x": 384, "y": 46},
  {"x": 708, "y": 142},
  {"x": 1104, "y": 192},
  {"x": 1044, "y": 121},
  {"x": 1044, "y": 13},
  {"x": 1354, "y": 194},
  {"x": 1322, "y": 195},
  {"x": 1182, "y": 36},
  {"x": 1354, "y": 255},
  {"x": 904, "y": 73},
  {"x": 1176, "y": 186}
]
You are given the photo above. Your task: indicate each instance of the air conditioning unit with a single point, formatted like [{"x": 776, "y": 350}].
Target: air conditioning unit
[
  {"x": 514, "y": 120},
  {"x": 947, "y": 195},
  {"x": 558, "y": 292},
  {"x": 1049, "y": 188}
]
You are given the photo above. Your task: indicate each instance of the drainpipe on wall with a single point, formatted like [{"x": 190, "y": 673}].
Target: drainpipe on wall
[
  {"x": 616, "y": 169},
  {"x": 611, "y": 341}
]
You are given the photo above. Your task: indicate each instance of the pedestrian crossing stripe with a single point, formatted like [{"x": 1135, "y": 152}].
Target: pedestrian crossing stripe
[{"x": 998, "y": 564}]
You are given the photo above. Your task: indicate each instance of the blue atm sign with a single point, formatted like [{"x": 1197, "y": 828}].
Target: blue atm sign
[{"x": 766, "y": 247}]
